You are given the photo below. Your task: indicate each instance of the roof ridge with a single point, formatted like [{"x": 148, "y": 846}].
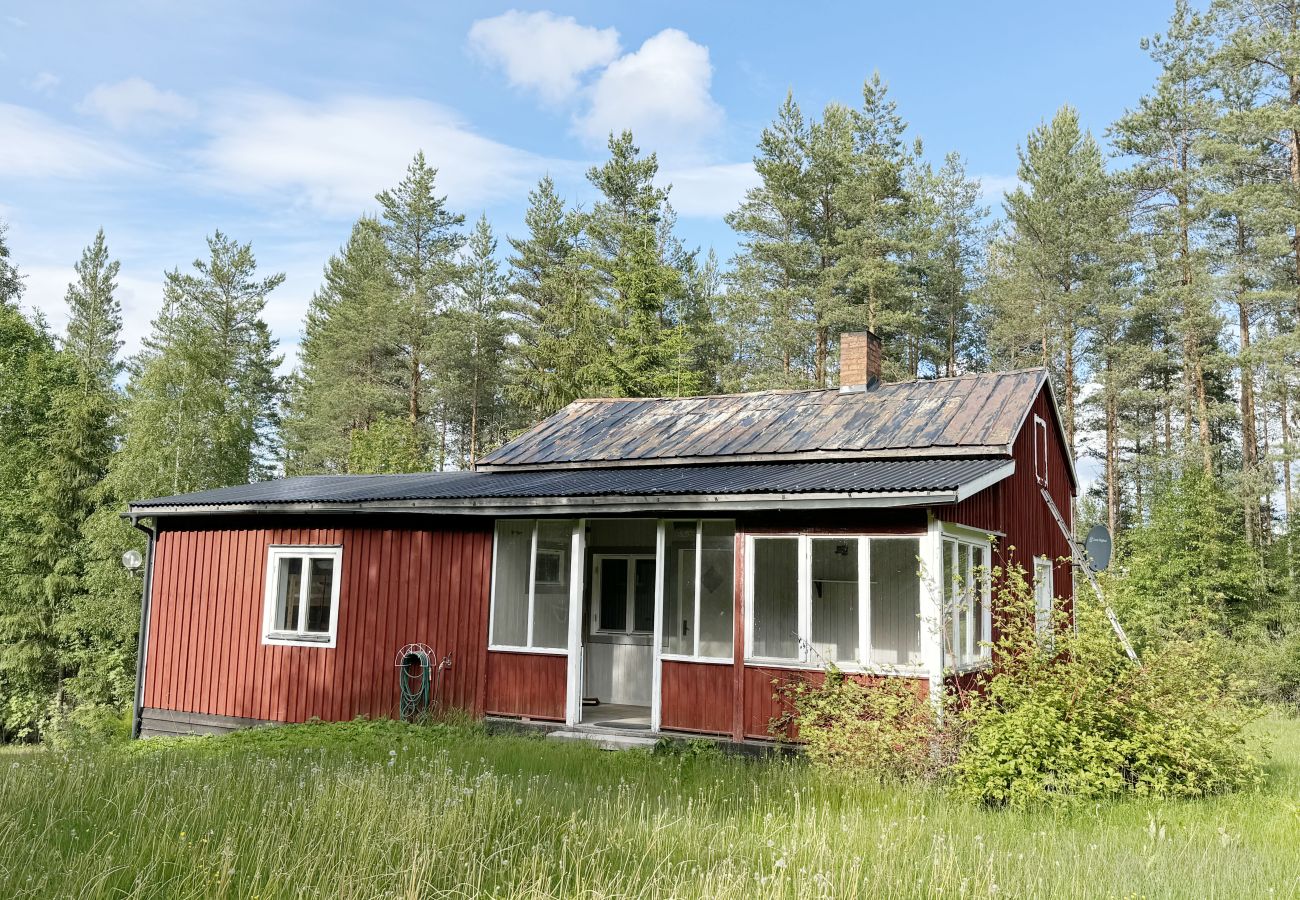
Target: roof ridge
[{"x": 828, "y": 390}]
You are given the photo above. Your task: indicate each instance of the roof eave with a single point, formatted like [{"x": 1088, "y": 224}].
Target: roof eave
[{"x": 579, "y": 505}]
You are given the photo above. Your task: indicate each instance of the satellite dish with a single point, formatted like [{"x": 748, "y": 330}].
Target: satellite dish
[
  {"x": 132, "y": 559},
  {"x": 1098, "y": 546}
]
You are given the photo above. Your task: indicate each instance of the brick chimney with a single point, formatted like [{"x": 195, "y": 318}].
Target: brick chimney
[{"x": 859, "y": 360}]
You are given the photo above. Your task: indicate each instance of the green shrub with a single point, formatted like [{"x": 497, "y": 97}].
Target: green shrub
[
  {"x": 89, "y": 727},
  {"x": 1074, "y": 719},
  {"x": 883, "y": 728}
]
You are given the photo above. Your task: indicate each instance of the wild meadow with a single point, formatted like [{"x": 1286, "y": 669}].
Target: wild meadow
[{"x": 381, "y": 809}]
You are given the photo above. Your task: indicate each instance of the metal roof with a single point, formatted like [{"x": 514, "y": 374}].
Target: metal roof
[
  {"x": 963, "y": 416},
  {"x": 918, "y": 480}
]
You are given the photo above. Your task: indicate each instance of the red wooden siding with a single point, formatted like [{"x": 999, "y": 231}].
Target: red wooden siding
[
  {"x": 696, "y": 697},
  {"x": 399, "y": 585},
  {"x": 1015, "y": 505},
  {"x": 531, "y": 685},
  {"x": 763, "y": 704}
]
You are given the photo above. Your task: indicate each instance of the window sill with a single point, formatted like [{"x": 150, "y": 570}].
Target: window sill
[
  {"x": 535, "y": 651},
  {"x": 846, "y": 668},
  {"x": 293, "y": 639},
  {"x": 706, "y": 660}
]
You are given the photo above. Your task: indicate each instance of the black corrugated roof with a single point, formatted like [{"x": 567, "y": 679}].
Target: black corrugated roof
[{"x": 853, "y": 477}]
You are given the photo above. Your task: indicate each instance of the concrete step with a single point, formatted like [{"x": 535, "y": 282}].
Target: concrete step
[{"x": 606, "y": 740}]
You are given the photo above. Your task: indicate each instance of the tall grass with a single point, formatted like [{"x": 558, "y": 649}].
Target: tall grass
[{"x": 385, "y": 810}]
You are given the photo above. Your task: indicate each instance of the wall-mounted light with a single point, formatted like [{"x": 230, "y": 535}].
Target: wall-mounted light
[{"x": 132, "y": 560}]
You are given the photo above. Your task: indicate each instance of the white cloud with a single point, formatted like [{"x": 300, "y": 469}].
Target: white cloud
[
  {"x": 334, "y": 156},
  {"x": 660, "y": 92},
  {"x": 136, "y": 103},
  {"x": 36, "y": 146},
  {"x": 43, "y": 82},
  {"x": 542, "y": 51},
  {"x": 709, "y": 191}
]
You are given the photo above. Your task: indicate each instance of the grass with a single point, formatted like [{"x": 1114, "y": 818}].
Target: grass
[{"x": 385, "y": 810}]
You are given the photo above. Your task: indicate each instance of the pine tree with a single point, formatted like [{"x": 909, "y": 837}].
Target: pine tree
[
  {"x": 423, "y": 240},
  {"x": 1052, "y": 262},
  {"x": 351, "y": 371},
  {"x": 949, "y": 239},
  {"x": 768, "y": 305}
]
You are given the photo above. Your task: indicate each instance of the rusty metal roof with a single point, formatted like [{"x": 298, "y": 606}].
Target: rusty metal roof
[
  {"x": 906, "y": 480},
  {"x": 968, "y": 415}
]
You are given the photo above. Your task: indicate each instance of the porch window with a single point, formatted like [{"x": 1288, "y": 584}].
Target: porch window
[
  {"x": 966, "y": 601},
  {"x": 699, "y": 588},
  {"x": 1043, "y": 594},
  {"x": 850, "y": 600},
  {"x": 302, "y": 595},
  {"x": 530, "y": 584}
]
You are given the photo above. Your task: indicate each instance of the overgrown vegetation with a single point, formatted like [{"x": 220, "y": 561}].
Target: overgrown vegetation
[
  {"x": 381, "y": 809},
  {"x": 1060, "y": 720}
]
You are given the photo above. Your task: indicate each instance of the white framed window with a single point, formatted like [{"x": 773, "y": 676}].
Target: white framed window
[
  {"x": 699, "y": 589},
  {"x": 967, "y": 617},
  {"x": 531, "y": 578},
  {"x": 623, "y": 593},
  {"x": 1040, "y": 449},
  {"x": 302, "y": 596},
  {"x": 1043, "y": 598},
  {"x": 852, "y": 600}
]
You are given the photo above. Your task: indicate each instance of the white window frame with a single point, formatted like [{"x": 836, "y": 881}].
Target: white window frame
[
  {"x": 301, "y": 637},
  {"x": 1044, "y": 589},
  {"x": 550, "y": 553},
  {"x": 694, "y": 655},
  {"x": 1040, "y": 450},
  {"x": 532, "y": 591},
  {"x": 965, "y": 542},
  {"x": 805, "y": 658},
  {"x": 597, "y": 560}
]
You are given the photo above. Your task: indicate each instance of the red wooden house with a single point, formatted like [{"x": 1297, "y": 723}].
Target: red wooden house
[{"x": 660, "y": 559}]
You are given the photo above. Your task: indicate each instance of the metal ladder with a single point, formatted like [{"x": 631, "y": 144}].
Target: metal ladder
[{"x": 1081, "y": 562}]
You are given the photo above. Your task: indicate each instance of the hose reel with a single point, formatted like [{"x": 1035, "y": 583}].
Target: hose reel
[{"x": 419, "y": 678}]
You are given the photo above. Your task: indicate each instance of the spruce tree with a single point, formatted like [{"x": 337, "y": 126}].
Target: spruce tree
[
  {"x": 562, "y": 333},
  {"x": 472, "y": 347},
  {"x": 203, "y": 398},
  {"x": 641, "y": 263},
  {"x": 351, "y": 370}
]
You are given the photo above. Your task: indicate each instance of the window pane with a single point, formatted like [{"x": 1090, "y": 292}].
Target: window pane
[
  {"x": 288, "y": 590},
  {"x": 510, "y": 612},
  {"x": 613, "y": 594},
  {"x": 895, "y": 602},
  {"x": 981, "y": 579},
  {"x": 776, "y": 598},
  {"x": 1043, "y": 596},
  {"x": 319, "y": 595},
  {"x": 551, "y": 600},
  {"x": 643, "y": 596},
  {"x": 679, "y": 588},
  {"x": 835, "y": 598},
  {"x": 717, "y": 589},
  {"x": 951, "y": 590}
]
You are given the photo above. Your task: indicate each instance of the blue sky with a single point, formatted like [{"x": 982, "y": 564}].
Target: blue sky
[{"x": 277, "y": 123}]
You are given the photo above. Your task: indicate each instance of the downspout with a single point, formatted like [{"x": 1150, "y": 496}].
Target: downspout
[{"x": 142, "y": 641}]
